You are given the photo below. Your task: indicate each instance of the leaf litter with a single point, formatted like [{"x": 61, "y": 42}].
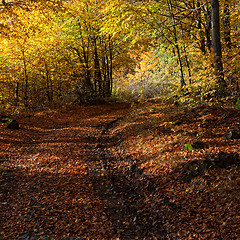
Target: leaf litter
[{"x": 115, "y": 172}]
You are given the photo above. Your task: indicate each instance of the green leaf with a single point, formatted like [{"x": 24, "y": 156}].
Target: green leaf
[
  {"x": 237, "y": 104},
  {"x": 189, "y": 147}
]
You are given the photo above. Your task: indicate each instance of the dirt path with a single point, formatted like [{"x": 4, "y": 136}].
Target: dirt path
[
  {"x": 125, "y": 190},
  {"x": 90, "y": 173},
  {"x": 64, "y": 176}
]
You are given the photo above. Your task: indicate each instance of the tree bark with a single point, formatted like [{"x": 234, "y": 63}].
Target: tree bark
[
  {"x": 25, "y": 78},
  {"x": 97, "y": 70},
  {"x": 207, "y": 14},
  {"x": 186, "y": 56},
  {"x": 182, "y": 81},
  {"x": 200, "y": 30},
  {"x": 217, "y": 49},
  {"x": 227, "y": 27}
]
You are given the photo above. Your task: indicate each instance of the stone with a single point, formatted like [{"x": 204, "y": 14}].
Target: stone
[
  {"x": 198, "y": 145},
  {"x": 234, "y": 134},
  {"x": 195, "y": 168},
  {"x": 12, "y": 124},
  {"x": 225, "y": 160}
]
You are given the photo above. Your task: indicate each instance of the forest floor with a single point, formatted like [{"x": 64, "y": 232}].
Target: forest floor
[{"x": 115, "y": 171}]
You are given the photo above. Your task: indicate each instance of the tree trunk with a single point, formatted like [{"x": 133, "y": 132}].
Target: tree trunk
[
  {"x": 227, "y": 27},
  {"x": 48, "y": 84},
  {"x": 17, "y": 93},
  {"x": 182, "y": 81},
  {"x": 110, "y": 65},
  {"x": 25, "y": 79},
  {"x": 207, "y": 26},
  {"x": 97, "y": 71},
  {"x": 217, "y": 50},
  {"x": 86, "y": 66},
  {"x": 186, "y": 56},
  {"x": 200, "y": 30}
]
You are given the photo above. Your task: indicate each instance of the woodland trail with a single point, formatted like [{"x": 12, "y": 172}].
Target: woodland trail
[
  {"x": 64, "y": 176},
  {"x": 116, "y": 172}
]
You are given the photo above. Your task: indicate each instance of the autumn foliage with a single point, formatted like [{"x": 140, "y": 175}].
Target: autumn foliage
[{"x": 54, "y": 52}]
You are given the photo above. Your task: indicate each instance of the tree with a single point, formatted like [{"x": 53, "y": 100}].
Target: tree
[
  {"x": 226, "y": 24},
  {"x": 182, "y": 81},
  {"x": 217, "y": 49}
]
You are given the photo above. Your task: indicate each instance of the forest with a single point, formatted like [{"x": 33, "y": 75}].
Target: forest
[
  {"x": 56, "y": 52},
  {"x": 119, "y": 119}
]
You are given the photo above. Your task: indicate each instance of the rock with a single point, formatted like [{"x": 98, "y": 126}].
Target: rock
[
  {"x": 195, "y": 168},
  {"x": 224, "y": 160},
  {"x": 190, "y": 171},
  {"x": 150, "y": 184},
  {"x": 12, "y": 124},
  {"x": 234, "y": 134},
  {"x": 198, "y": 145}
]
